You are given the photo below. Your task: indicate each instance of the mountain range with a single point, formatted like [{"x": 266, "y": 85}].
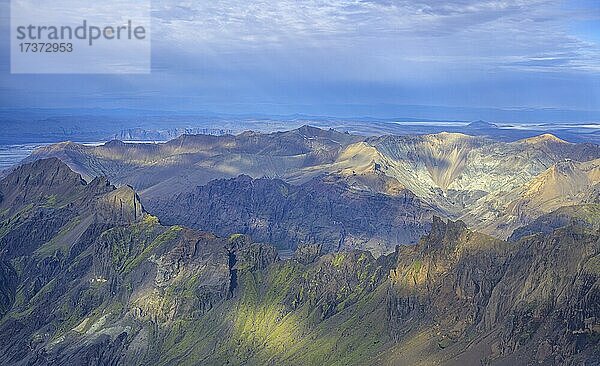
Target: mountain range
[
  {"x": 303, "y": 247},
  {"x": 48, "y": 125},
  {"x": 399, "y": 182}
]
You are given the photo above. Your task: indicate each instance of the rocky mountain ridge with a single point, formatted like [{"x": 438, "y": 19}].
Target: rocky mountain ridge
[
  {"x": 488, "y": 184},
  {"x": 112, "y": 285},
  {"x": 326, "y": 211}
]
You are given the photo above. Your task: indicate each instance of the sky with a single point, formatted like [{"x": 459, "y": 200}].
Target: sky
[{"x": 346, "y": 58}]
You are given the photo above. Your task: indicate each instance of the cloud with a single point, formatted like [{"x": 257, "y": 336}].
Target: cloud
[
  {"x": 495, "y": 32},
  {"x": 462, "y": 52}
]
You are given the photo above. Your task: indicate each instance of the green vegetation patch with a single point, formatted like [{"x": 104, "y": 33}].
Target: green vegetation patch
[
  {"x": 51, "y": 201},
  {"x": 338, "y": 259},
  {"x": 59, "y": 242},
  {"x": 593, "y": 265},
  {"x": 168, "y": 236}
]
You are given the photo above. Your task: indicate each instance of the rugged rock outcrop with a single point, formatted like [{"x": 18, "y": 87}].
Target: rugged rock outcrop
[
  {"x": 587, "y": 215},
  {"x": 546, "y": 307},
  {"x": 446, "y": 280},
  {"x": 533, "y": 301},
  {"x": 308, "y": 253},
  {"x": 325, "y": 211}
]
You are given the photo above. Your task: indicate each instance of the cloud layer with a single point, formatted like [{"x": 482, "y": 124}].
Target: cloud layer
[
  {"x": 534, "y": 53},
  {"x": 522, "y": 34}
]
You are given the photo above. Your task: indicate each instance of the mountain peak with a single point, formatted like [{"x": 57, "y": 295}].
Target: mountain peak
[
  {"x": 44, "y": 164},
  {"x": 444, "y": 231},
  {"x": 543, "y": 138},
  {"x": 563, "y": 179},
  {"x": 45, "y": 172},
  {"x": 114, "y": 143},
  {"x": 308, "y": 129},
  {"x": 481, "y": 124},
  {"x": 311, "y": 131},
  {"x": 121, "y": 205},
  {"x": 440, "y": 226},
  {"x": 59, "y": 146},
  {"x": 34, "y": 181},
  {"x": 247, "y": 133}
]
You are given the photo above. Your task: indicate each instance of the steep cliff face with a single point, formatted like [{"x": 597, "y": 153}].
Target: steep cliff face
[
  {"x": 585, "y": 215},
  {"x": 8, "y": 286},
  {"x": 473, "y": 298},
  {"x": 546, "y": 307},
  {"x": 50, "y": 209},
  {"x": 85, "y": 272},
  {"x": 325, "y": 211},
  {"x": 50, "y": 219},
  {"x": 445, "y": 282}
]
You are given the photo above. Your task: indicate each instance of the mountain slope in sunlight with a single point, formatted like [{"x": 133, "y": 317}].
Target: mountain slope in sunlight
[{"x": 100, "y": 279}]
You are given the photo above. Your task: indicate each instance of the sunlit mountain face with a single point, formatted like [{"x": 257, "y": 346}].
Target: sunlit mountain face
[{"x": 301, "y": 183}]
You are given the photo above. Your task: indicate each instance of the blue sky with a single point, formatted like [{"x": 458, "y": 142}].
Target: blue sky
[{"x": 319, "y": 57}]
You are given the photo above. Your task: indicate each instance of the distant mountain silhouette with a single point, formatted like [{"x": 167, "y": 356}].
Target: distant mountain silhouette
[{"x": 481, "y": 125}]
